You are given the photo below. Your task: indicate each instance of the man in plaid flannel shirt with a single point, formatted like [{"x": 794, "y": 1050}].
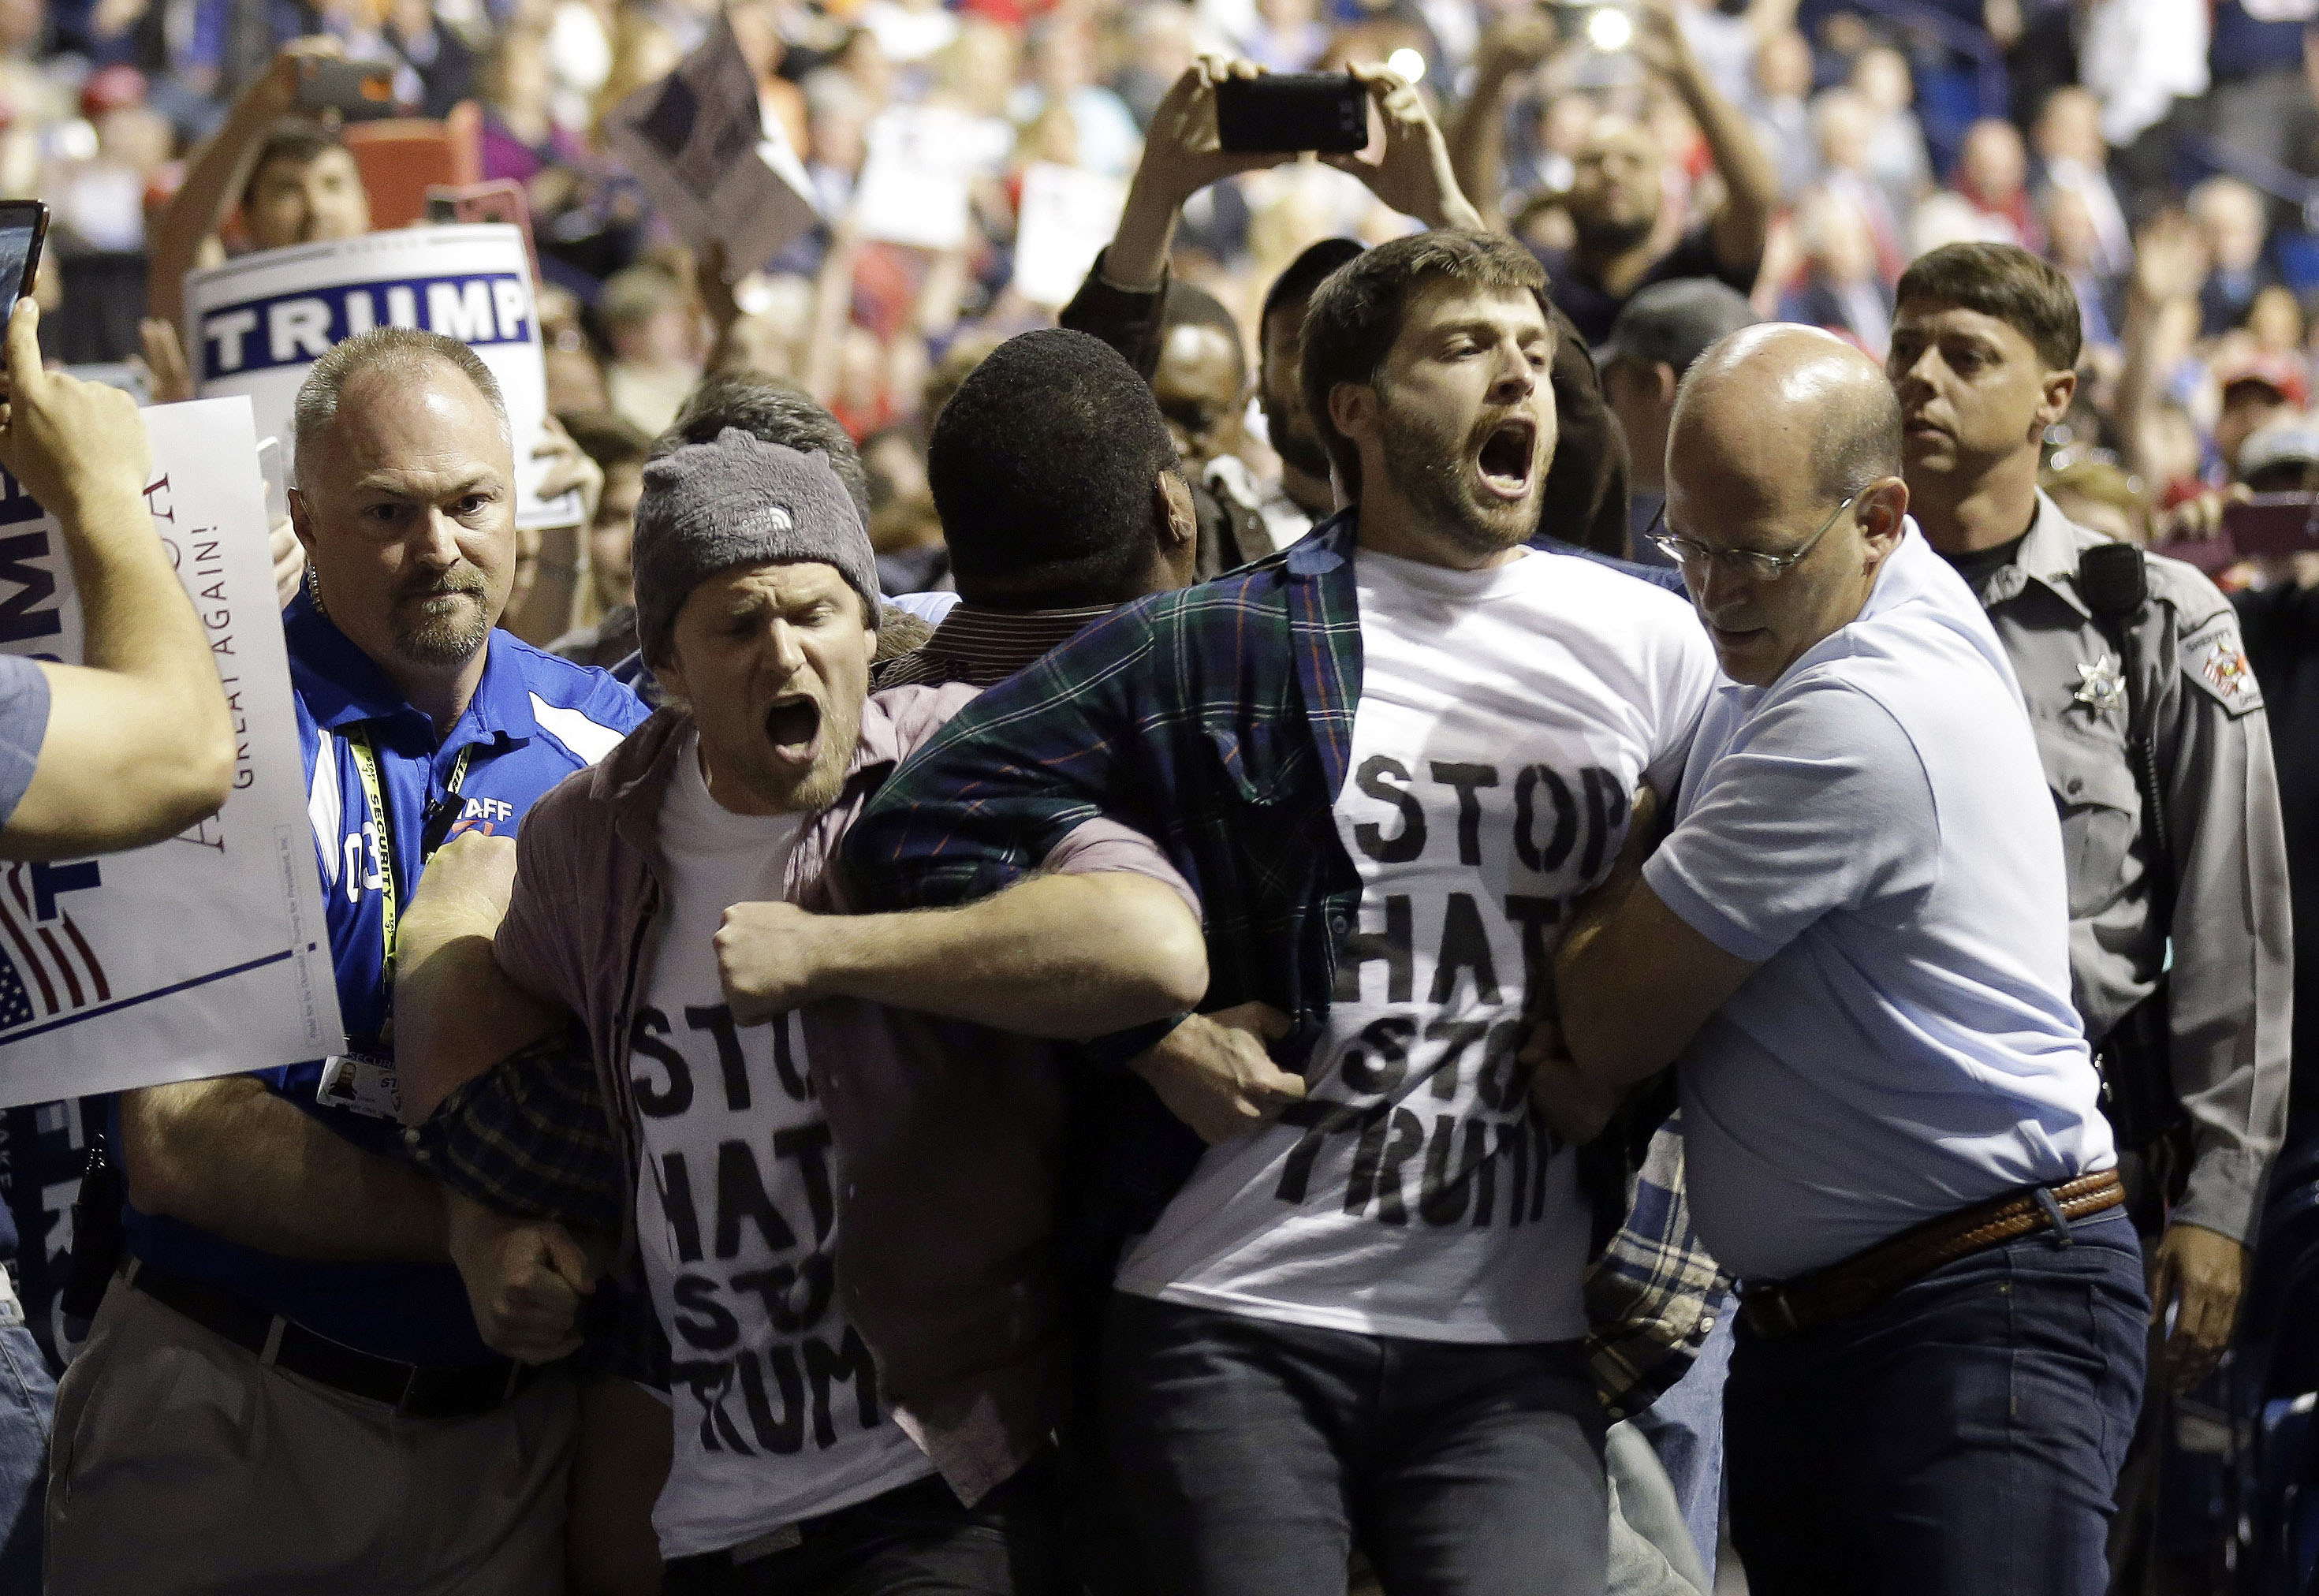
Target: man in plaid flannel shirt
[
  {"x": 1283, "y": 1370},
  {"x": 533, "y": 1139}
]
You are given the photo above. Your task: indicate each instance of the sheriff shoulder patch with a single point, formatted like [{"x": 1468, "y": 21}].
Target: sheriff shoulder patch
[{"x": 2213, "y": 657}]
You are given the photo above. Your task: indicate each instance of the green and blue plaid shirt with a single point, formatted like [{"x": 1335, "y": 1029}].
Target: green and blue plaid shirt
[{"x": 1218, "y": 721}]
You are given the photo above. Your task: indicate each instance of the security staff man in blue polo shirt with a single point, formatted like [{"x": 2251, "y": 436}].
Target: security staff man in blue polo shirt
[{"x": 284, "y": 1388}]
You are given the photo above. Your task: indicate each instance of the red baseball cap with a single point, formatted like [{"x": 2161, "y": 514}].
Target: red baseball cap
[{"x": 2276, "y": 373}]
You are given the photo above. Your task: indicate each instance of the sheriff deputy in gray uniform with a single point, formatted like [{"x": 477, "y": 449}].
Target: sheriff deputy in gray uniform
[{"x": 2155, "y": 745}]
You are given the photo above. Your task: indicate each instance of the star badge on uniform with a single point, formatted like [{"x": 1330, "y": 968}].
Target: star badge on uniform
[{"x": 2101, "y": 685}]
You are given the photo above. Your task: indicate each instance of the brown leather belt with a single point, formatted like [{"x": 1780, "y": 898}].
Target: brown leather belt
[{"x": 1865, "y": 1280}]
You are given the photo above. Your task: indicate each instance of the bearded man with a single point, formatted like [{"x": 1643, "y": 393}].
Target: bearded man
[{"x": 1385, "y": 761}]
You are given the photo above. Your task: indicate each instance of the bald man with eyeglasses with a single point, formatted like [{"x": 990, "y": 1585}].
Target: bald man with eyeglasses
[{"x": 1853, "y": 944}]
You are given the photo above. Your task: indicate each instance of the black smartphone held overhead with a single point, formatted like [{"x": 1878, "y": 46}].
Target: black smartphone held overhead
[
  {"x": 24, "y": 227},
  {"x": 359, "y": 91},
  {"x": 1289, "y": 111}
]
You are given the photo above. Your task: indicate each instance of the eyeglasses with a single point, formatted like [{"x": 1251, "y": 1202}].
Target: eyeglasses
[{"x": 1747, "y": 561}]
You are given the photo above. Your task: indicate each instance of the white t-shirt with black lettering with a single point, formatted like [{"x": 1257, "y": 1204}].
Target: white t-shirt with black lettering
[
  {"x": 776, "y": 1404},
  {"x": 1505, "y": 716}
]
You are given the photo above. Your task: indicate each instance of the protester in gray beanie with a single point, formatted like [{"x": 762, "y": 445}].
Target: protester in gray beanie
[{"x": 739, "y": 501}]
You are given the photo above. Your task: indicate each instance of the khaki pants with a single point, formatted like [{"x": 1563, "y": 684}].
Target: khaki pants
[{"x": 182, "y": 1464}]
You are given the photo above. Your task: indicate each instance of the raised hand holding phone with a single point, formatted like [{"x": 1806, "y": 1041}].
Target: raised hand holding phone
[
  {"x": 1182, "y": 155},
  {"x": 1412, "y": 172},
  {"x": 23, "y": 228}
]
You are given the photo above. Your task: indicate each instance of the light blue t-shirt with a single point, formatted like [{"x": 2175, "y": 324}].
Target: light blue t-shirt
[
  {"x": 24, "y": 723},
  {"x": 1875, "y": 830}
]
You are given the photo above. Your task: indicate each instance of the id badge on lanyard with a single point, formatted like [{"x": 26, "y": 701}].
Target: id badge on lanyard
[{"x": 364, "y": 1082}]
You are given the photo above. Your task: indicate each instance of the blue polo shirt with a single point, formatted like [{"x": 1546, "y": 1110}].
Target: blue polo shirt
[
  {"x": 534, "y": 719},
  {"x": 1873, "y": 829}
]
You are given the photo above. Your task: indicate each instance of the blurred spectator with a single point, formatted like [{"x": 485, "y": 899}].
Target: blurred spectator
[
  {"x": 2073, "y": 157},
  {"x": 2256, "y": 390},
  {"x": 1159, "y": 43},
  {"x": 1662, "y": 330},
  {"x": 1201, "y": 382},
  {"x": 1896, "y": 154},
  {"x": 2139, "y": 58},
  {"x": 2101, "y": 497},
  {"x": 837, "y": 116},
  {"x": 619, "y": 450},
  {"x": 1843, "y": 289},
  {"x": 1062, "y": 75},
  {"x": 1992, "y": 175},
  {"x": 575, "y": 376},
  {"x": 654, "y": 328},
  {"x": 1783, "y": 122},
  {"x": 2255, "y": 57},
  {"x": 2280, "y": 618},
  {"x": 440, "y": 55},
  {"x": 2073, "y": 243},
  {"x": 906, "y": 533},
  {"x": 1289, "y": 36},
  {"x": 521, "y": 137},
  {"x": 2232, "y": 218},
  {"x": 99, "y": 202},
  {"x": 1620, "y": 191},
  {"x": 1844, "y": 130},
  {"x": 295, "y": 182}
]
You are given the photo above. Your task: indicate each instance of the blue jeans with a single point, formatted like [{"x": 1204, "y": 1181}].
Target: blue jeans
[
  {"x": 28, "y": 1405},
  {"x": 1963, "y": 1440},
  {"x": 1250, "y": 1454},
  {"x": 915, "y": 1538},
  {"x": 1685, "y": 1427}
]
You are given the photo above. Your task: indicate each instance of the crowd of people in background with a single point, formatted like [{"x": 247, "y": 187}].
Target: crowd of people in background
[{"x": 1105, "y": 629}]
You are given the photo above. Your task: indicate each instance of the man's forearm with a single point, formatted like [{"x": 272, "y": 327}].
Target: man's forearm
[
  {"x": 199, "y": 207},
  {"x": 237, "y": 1160},
  {"x": 1138, "y": 254},
  {"x": 1065, "y": 956},
  {"x": 139, "y": 743},
  {"x": 1476, "y": 137},
  {"x": 455, "y": 1015},
  {"x": 1751, "y": 185},
  {"x": 1634, "y": 981}
]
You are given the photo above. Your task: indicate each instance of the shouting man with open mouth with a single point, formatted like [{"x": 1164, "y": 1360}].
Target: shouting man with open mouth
[{"x": 1388, "y": 760}]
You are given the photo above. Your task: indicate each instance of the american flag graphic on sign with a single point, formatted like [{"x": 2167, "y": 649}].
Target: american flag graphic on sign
[{"x": 46, "y": 966}]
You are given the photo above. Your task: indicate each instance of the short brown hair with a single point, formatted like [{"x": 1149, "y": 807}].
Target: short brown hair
[
  {"x": 2008, "y": 283},
  {"x": 1356, "y": 314},
  {"x": 293, "y": 139},
  {"x": 405, "y": 352}
]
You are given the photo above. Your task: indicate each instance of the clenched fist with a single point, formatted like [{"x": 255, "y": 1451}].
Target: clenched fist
[
  {"x": 1214, "y": 1073},
  {"x": 525, "y": 1279},
  {"x": 767, "y": 959}
]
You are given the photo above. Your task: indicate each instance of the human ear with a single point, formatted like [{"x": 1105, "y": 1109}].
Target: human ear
[
  {"x": 1353, "y": 409},
  {"x": 1171, "y": 502}
]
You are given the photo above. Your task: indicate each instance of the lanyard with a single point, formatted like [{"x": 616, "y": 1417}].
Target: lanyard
[{"x": 441, "y": 814}]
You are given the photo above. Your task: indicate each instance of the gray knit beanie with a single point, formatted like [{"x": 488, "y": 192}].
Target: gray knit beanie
[{"x": 739, "y": 500}]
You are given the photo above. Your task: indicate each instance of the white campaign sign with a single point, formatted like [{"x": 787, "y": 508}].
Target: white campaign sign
[
  {"x": 1068, "y": 217},
  {"x": 916, "y": 182},
  {"x": 261, "y": 320},
  {"x": 206, "y": 954}
]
